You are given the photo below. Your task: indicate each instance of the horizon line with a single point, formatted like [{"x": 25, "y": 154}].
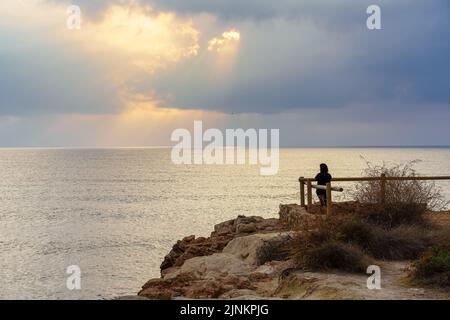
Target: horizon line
[{"x": 281, "y": 147}]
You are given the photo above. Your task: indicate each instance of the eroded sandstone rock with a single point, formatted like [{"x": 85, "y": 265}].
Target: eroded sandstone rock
[
  {"x": 246, "y": 258},
  {"x": 294, "y": 215},
  {"x": 208, "y": 267},
  {"x": 257, "y": 249},
  {"x": 190, "y": 247},
  {"x": 189, "y": 286}
]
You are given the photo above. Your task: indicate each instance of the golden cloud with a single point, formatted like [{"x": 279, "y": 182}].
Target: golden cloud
[
  {"x": 145, "y": 38},
  {"x": 126, "y": 42},
  {"x": 228, "y": 38}
]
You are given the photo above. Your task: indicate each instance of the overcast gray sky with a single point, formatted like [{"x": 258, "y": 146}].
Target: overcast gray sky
[{"x": 136, "y": 70}]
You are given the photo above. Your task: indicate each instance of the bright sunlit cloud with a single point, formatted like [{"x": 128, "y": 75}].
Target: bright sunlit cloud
[
  {"x": 138, "y": 65},
  {"x": 225, "y": 48},
  {"x": 147, "y": 39},
  {"x": 228, "y": 39},
  {"x": 127, "y": 43}
]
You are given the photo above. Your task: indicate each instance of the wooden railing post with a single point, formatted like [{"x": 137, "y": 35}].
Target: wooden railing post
[
  {"x": 309, "y": 187},
  {"x": 383, "y": 180},
  {"x": 329, "y": 199},
  {"x": 302, "y": 191},
  {"x": 383, "y": 188}
]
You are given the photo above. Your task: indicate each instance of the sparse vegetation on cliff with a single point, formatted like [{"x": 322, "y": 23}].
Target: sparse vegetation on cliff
[
  {"x": 404, "y": 202},
  {"x": 256, "y": 258},
  {"x": 392, "y": 229}
]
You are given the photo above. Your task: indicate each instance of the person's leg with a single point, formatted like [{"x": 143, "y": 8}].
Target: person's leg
[{"x": 323, "y": 200}]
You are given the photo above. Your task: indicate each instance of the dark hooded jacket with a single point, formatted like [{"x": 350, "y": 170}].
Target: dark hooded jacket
[{"x": 322, "y": 179}]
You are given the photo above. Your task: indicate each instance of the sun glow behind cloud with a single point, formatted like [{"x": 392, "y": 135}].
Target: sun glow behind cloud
[
  {"x": 229, "y": 38},
  {"x": 141, "y": 42},
  {"x": 146, "y": 39},
  {"x": 93, "y": 79},
  {"x": 129, "y": 42},
  {"x": 225, "y": 48}
]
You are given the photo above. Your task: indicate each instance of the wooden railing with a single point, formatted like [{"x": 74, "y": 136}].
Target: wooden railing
[{"x": 383, "y": 178}]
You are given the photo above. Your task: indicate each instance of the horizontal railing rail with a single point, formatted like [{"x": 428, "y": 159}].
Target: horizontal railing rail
[
  {"x": 328, "y": 188},
  {"x": 337, "y": 189},
  {"x": 354, "y": 179}
]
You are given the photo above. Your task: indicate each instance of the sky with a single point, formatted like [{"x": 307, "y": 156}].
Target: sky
[{"x": 136, "y": 70}]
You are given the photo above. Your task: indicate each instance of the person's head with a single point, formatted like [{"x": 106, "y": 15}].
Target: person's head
[{"x": 323, "y": 168}]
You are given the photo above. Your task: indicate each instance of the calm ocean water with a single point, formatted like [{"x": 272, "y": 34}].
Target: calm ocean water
[{"x": 117, "y": 212}]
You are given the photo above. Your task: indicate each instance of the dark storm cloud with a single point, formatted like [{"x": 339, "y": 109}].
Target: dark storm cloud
[
  {"x": 249, "y": 9},
  {"x": 293, "y": 55},
  {"x": 290, "y": 64},
  {"x": 256, "y": 9}
]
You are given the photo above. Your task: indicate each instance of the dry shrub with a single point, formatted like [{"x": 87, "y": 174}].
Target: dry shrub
[
  {"x": 357, "y": 238},
  {"x": 393, "y": 230},
  {"x": 334, "y": 255},
  {"x": 316, "y": 247},
  {"x": 402, "y": 243},
  {"x": 406, "y": 201},
  {"x": 394, "y": 215},
  {"x": 357, "y": 232}
]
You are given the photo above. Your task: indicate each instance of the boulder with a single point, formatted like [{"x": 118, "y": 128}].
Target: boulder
[
  {"x": 189, "y": 286},
  {"x": 245, "y": 225},
  {"x": 164, "y": 289},
  {"x": 246, "y": 228},
  {"x": 191, "y": 247},
  {"x": 293, "y": 215},
  {"x": 259, "y": 248},
  {"x": 225, "y": 227},
  {"x": 208, "y": 267}
]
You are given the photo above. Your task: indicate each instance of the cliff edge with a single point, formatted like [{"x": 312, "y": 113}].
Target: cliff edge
[{"x": 250, "y": 258}]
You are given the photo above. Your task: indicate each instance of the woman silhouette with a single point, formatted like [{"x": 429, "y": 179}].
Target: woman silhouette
[{"x": 322, "y": 178}]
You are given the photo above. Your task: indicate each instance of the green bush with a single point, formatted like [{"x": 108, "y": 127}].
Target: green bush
[{"x": 434, "y": 266}]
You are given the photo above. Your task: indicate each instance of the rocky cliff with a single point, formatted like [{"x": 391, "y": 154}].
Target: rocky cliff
[{"x": 249, "y": 258}]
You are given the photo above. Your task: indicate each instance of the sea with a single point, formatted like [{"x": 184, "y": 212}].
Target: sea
[{"x": 115, "y": 213}]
